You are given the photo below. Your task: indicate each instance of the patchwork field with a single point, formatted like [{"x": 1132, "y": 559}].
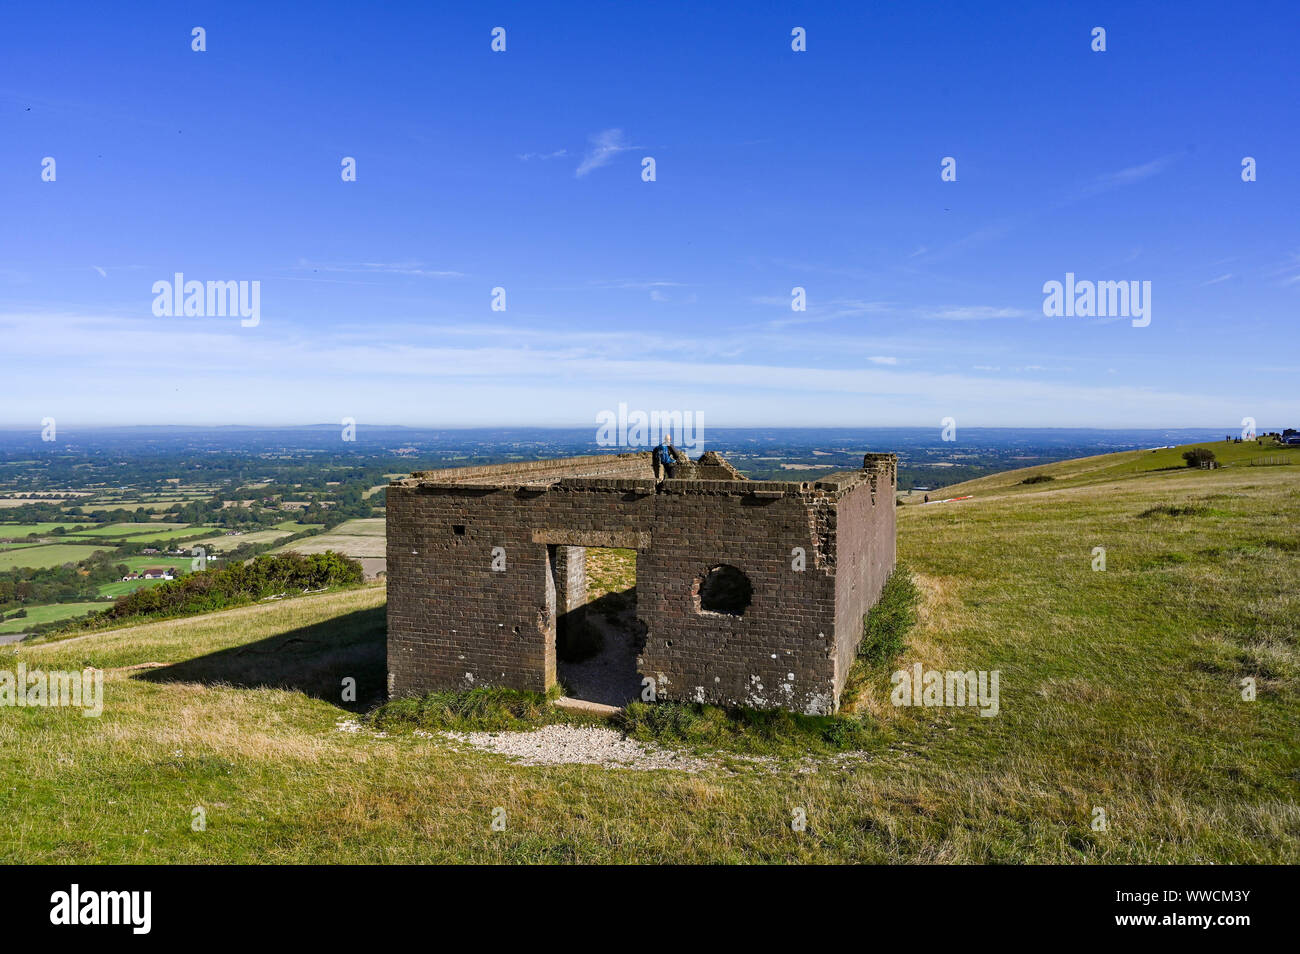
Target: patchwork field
[
  {"x": 19, "y": 530},
  {"x": 224, "y": 542},
  {"x": 184, "y": 534},
  {"x": 47, "y": 555},
  {"x": 123, "y": 530},
  {"x": 354, "y": 538},
  {"x": 1121, "y": 690},
  {"x": 48, "y": 614},
  {"x": 143, "y": 562}
]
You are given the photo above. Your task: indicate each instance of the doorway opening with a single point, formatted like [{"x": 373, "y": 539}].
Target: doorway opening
[{"x": 598, "y": 636}]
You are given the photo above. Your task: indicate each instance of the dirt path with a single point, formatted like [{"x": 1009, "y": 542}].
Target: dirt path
[{"x": 610, "y": 677}]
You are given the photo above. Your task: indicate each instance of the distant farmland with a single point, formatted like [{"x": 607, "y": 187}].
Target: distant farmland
[
  {"x": 49, "y": 614},
  {"x": 47, "y": 555}
]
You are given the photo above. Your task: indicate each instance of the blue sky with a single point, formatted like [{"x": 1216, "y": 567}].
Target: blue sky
[{"x": 775, "y": 169}]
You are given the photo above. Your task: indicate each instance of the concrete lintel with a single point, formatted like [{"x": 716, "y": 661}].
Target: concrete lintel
[{"x": 630, "y": 539}]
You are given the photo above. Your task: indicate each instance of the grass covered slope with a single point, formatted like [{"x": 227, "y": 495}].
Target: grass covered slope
[
  {"x": 1120, "y": 690},
  {"x": 1113, "y": 469}
]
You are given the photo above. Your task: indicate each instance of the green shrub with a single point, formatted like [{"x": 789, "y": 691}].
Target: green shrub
[
  {"x": 1198, "y": 456},
  {"x": 234, "y": 585},
  {"x": 1038, "y": 479},
  {"x": 887, "y": 624}
]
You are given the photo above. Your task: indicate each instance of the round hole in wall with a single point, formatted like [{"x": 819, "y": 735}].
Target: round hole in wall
[{"x": 724, "y": 589}]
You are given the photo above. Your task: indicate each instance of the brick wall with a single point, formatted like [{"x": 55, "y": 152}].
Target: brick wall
[{"x": 456, "y": 622}]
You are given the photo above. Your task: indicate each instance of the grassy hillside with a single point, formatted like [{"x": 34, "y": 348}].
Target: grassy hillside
[
  {"x": 1120, "y": 690},
  {"x": 1115, "y": 468}
]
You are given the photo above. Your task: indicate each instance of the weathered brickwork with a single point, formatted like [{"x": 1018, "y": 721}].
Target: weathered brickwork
[{"x": 482, "y": 561}]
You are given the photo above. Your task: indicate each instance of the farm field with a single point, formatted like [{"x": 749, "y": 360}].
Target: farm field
[
  {"x": 142, "y": 562},
  {"x": 294, "y": 527},
  {"x": 122, "y": 587},
  {"x": 18, "y": 530},
  {"x": 224, "y": 542},
  {"x": 1121, "y": 689},
  {"x": 49, "y": 614},
  {"x": 124, "y": 530},
  {"x": 46, "y": 555},
  {"x": 172, "y": 536},
  {"x": 354, "y": 538}
]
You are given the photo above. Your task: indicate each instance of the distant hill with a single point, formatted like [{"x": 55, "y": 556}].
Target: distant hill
[{"x": 1121, "y": 466}]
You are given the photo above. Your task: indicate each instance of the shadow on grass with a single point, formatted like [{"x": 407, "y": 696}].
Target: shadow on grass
[{"x": 313, "y": 659}]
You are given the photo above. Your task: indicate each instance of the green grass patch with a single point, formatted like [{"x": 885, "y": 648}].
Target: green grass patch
[
  {"x": 775, "y": 732},
  {"x": 49, "y": 613},
  {"x": 19, "y": 530},
  {"x": 122, "y": 587},
  {"x": 484, "y": 709},
  {"x": 885, "y": 629},
  {"x": 1119, "y": 689},
  {"x": 144, "y": 562},
  {"x": 123, "y": 530},
  {"x": 49, "y": 555}
]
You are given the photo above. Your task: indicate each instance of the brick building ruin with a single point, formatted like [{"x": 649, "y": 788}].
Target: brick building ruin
[{"x": 748, "y": 592}]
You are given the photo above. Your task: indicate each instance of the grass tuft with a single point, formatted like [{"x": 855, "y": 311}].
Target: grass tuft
[
  {"x": 774, "y": 732},
  {"x": 887, "y": 623},
  {"x": 1176, "y": 510},
  {"x": 485, "y": 709}
]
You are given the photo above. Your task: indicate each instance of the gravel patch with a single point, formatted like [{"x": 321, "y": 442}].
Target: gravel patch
[
  {"x": 594, "y": 745},
  {"x": 579, "y": 745}
]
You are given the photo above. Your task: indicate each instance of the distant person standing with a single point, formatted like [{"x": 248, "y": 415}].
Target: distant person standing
[
  {"x": 927, "y": 498},
  {"x": 664, "y": 454}
]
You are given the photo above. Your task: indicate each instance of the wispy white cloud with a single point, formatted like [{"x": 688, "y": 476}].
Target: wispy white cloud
[
  {"x": 974, "y": 313},
  {"x": 412, "y": 269},
  {"x": 831, "y": 311},
  {"x": 1129, "y": 175},
  {"x": 401, "y": 378},
  {"x": 529, "y": 156},
  {"x": 639, "y": 285},
  {"x": 603, "y": 147},
  {"x": 1098, "y": 186},
  {"x": 1290, "y": 271},
  {"x": 1215, "y": 281}
]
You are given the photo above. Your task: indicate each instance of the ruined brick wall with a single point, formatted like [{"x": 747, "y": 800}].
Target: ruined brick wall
[
  {"x": 866, "y": 521},
  {"x": 571, "y": 574},
  {"x": 779, "y": 652},
  {"x": 453, "y": 621},
  {"x": 456, "y": 622}
]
